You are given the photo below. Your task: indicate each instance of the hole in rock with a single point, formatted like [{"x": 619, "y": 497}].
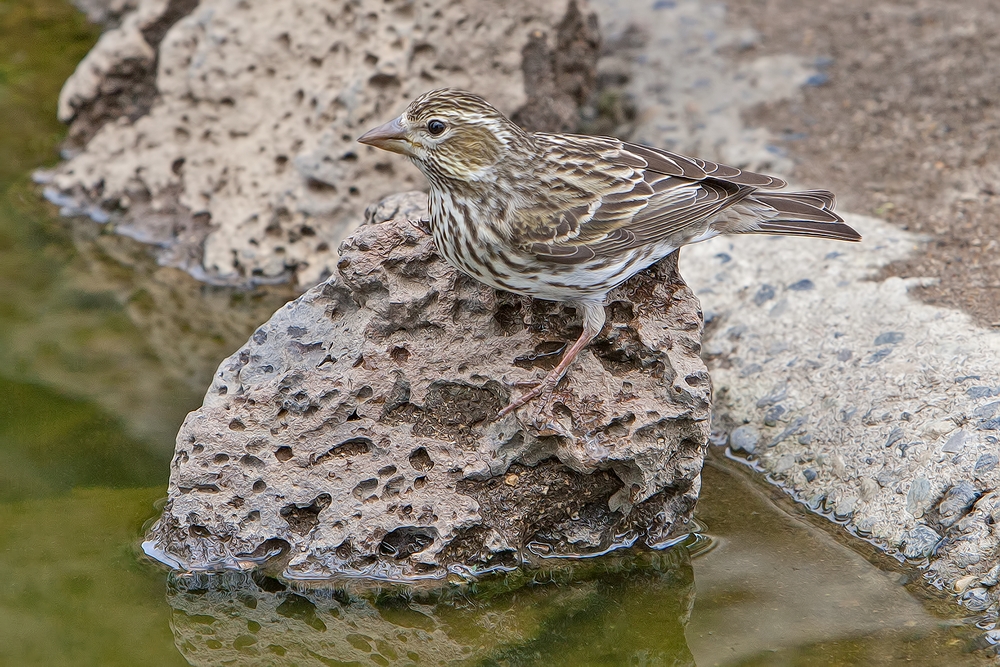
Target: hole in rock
[
  {"x": 251, "y": 461},
  {"x": 393, "y": 486},
  {"x": 303, "y": 518},
  {"x": 352, "y": 447},
  {"x": 198, "y": 531},
  {"x": 283, "y": 453},
  {"x": 364, "y": 488},
  {"x": 421, "y": 460},
  {"x": 406, "y": 541},
  {"x": 386, "y": 471}
]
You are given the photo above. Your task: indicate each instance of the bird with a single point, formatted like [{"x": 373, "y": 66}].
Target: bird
[{"x": 566, "y": 217}]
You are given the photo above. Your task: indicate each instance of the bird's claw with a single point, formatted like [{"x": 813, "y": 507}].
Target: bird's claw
[{"x": 543, "y": 389}]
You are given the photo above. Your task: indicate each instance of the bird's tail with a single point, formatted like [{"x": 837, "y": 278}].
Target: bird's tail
[{"x": 808, "y": 213}]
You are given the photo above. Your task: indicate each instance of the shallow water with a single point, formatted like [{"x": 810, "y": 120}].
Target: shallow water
[{"x": 102, "y": 352}]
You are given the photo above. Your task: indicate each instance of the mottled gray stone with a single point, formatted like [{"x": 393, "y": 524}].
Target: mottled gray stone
[
  {"x": 744, "y": 439},
  {"x": 919, "y": 542},
  {"x": 357, "y": 430},
  {"x": 918, "y": 498}
]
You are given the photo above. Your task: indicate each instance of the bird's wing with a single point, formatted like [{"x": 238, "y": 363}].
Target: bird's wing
[{"x": 601, "y": 196}]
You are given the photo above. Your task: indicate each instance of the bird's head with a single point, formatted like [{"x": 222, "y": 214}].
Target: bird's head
[{"x": 450, "y": 134}]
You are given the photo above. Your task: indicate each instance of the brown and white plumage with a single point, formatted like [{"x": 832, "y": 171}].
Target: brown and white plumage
[{"x": 568, "y": 217}]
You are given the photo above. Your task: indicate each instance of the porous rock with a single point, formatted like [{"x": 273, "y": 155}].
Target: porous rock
[
  {"x": 357, "y": 430},
  {"x": 888, "y": 418},
  {"x": 223, "y": 132}
]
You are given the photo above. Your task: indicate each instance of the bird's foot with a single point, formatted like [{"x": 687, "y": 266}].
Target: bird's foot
[
  {"x": 422, "y": 224},
  {"x": 543, "y": 389}
]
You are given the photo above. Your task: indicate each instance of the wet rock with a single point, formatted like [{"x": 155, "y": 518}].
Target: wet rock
[
  {"x": 223, "y": 132},
  {"x": 957, "y": 501},
  {"x": 919, "y": 542},
  {"x": 976, "y": 599},
  {"x": 744, "y": 439},
  {"x": 357, "y": 430}
]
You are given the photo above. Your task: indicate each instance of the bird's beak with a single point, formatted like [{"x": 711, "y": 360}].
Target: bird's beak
[{"x": 388, "y": 137}]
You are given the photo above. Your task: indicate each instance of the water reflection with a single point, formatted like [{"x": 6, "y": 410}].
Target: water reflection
[
  {"x": 90, "y": 314},
  {"x": 624, "y": 609}
]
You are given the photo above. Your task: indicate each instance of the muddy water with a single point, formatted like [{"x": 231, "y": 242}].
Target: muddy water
[{"x": 102, "y": 353}]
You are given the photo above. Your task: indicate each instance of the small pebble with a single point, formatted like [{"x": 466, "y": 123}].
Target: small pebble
[
  {"x": 511, "y": 480},
  {"x": 744, "y": 439},
  {"x": 919, "y": 542},
  {"x": 784, "y": 464},
  {"x": 918, "y": 498},
  {"x": 976, "y": 599},
  {"x": 895, "y": 435},
  {"x": 992, "y": 577},
  {"x": 982, "y": 392},
  {"x": 869, "y": 487},
  {"x": 986, "y": 411},
  {"x": 880, "y": 355},
  {"x": 844, "y": 508},
  {"x": 802, "y": 285},
  {"x": 955, "y": 443},
  {"x": 957, "y": 501},
  {"x": 779, "y": 393},
  {"x": 889, "y": 338},
  {"x": 773, "y": 414},
  {"x": 809, "y": 474},
  {"x": 964, "y": 583},
  {"x": 764, "y": 294}
]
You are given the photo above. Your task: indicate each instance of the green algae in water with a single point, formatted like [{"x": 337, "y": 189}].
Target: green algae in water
[
  {"x": 50, "y": 444},
  {"x": 73, "y": 592},
  {"x": 623, "y": 609},
  {"x": 41, "y": 41}
]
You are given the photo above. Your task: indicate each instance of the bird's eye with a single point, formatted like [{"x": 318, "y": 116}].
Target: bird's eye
[{"x": 435, "y": 126}]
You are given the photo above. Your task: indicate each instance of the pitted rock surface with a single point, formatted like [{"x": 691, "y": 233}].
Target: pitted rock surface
[
  {"x": 357, "y": 430},
  {"x": 223, "y": 132}
]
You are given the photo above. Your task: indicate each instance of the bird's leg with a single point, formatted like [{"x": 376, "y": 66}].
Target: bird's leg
[{"x": 593, "y": 322}]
